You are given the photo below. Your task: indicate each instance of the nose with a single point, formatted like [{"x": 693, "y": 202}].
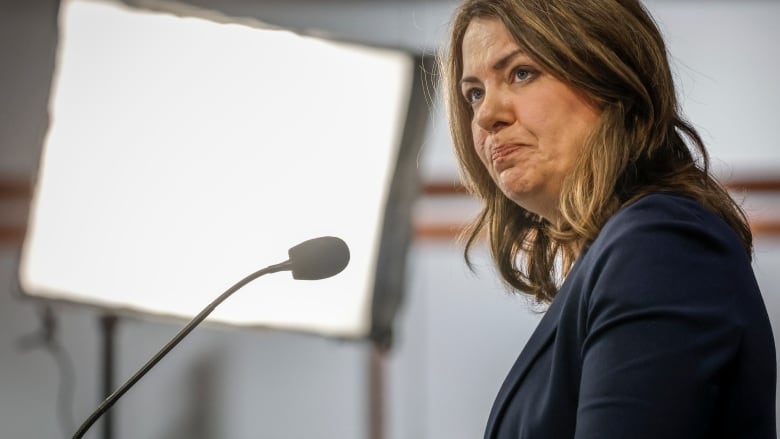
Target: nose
[{"x": 494, "y": 112}]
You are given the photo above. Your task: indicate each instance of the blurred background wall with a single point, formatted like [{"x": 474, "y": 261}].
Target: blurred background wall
[{"x": 457, "y": 333}]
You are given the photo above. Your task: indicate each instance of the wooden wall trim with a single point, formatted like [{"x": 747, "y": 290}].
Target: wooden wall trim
[
  {"x": 756, "y": 185},
  {"x": 438, "y": 188},
  {"x": 760, "y": 226},
  {"x": 15, "y": 196},
  {"x": 15, "y": 189}
]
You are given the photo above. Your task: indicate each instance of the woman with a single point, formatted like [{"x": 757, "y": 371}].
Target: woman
[{"x": 566, "y": 125}]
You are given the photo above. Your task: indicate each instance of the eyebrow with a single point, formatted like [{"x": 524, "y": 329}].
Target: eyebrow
[{"x": 499, "y": 65}]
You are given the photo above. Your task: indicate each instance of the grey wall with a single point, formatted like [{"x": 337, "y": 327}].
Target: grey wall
[{"x": 458, "y": 332}]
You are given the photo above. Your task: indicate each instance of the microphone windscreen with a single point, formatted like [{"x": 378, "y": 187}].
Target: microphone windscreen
[{"x": 318, "y": 258}]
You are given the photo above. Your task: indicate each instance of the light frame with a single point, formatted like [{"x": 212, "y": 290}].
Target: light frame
[{"x": 59, "y": 247}]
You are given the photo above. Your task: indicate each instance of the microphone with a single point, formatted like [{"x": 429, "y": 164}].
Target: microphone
[
  {"x": 318, "y": 258},
  {"x": 314, "y": 259}
]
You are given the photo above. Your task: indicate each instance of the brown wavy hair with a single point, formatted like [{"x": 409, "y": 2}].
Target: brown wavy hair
[{"x": 612, "y": 52}]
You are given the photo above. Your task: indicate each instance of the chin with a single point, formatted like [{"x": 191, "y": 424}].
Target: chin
[
  {"x": 528, "y": 202},
  {"x": 516, "y": 193}
]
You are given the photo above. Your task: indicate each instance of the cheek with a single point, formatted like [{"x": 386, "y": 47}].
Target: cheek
[{"x": 478, "y": 136}]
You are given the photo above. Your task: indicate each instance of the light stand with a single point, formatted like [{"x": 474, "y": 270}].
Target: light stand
[{"x": 108, "y": 323}]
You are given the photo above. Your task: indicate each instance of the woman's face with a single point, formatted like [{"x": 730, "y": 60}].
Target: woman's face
[{"x": 527, "y": 126}]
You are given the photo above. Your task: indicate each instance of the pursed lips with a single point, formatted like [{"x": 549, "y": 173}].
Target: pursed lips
[{"x": 501, "y": 151}]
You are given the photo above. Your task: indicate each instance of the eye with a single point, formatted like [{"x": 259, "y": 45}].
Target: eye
[
  {"x": 472, "y": 95},
  {"x": 522, "y": 74}
]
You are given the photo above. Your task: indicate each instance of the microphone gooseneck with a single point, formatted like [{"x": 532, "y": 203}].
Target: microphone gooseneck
[{"x": 317, "y": 258}]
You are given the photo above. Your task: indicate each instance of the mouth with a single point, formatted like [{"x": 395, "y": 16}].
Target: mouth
[{"x": 502, "y": 151}]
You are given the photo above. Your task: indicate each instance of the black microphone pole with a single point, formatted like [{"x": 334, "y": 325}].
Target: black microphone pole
[
  {"x": 111, "y": 399},
  {"x": 314, "y": 259}
]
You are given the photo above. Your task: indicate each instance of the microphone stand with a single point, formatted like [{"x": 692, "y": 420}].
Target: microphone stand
[
  {"x": 111, "y": 399},
  {"x": 108, "y": 330}
]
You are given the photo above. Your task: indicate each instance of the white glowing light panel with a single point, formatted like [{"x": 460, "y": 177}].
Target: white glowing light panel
[{"x": 184, "y": 154}]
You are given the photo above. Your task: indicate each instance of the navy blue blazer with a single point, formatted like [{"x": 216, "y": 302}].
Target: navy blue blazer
[{"x": 659, "y": 331}]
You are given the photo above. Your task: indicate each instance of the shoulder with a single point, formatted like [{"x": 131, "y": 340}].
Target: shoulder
[
  {"x": 667, "y": 247},
  {"x": 661, "y": 219}
]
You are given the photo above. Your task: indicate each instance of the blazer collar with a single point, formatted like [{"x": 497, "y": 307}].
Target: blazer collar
[{"x": 540, "y": 338}]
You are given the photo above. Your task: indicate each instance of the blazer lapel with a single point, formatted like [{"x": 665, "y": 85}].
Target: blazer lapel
[{"x": 540, "y": 338}]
